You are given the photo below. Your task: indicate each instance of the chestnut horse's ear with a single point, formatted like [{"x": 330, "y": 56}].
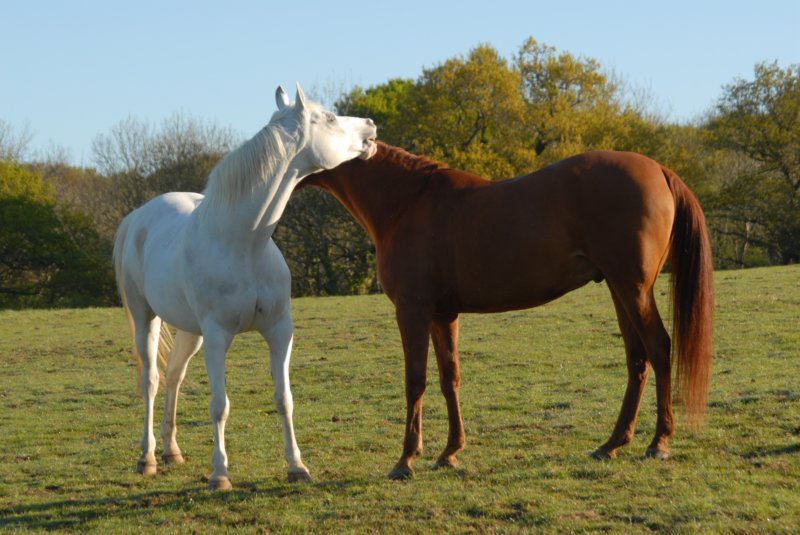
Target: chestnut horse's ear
[
  {"x": 281, "y": 98},
  {"x": 300, "y": 101}
]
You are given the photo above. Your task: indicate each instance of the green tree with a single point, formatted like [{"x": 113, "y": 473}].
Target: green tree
[
  {"x": 482, "y": 113},
  {"x": 758, "y": 120},
  {"x": 140, "y": 161},
  {"x": 327, "y": 252},
  {"x": 465, "y": 110},
  {"x": 390, "y": 105},
  {"x": 48, "y": 257},
  {"x": 459, "y": 111},
  {"x": 571, "y": 105},
  {"x": 14, "y": 142}
]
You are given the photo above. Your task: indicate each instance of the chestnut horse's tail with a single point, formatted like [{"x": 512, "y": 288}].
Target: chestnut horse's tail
[{"x": 692, "y": 274}]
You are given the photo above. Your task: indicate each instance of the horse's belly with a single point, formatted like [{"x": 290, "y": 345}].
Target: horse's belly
[
  {"x": 169, "y": 302},
  {"x": 518, "y": 286}
]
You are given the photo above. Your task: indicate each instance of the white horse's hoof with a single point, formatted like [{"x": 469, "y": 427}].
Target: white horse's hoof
[
  {"x": 220, "y": 483},
  {"x": 173, "y": 458},
  {"x": 299, "y": 475},
  {"x": 147, "y": 468}
]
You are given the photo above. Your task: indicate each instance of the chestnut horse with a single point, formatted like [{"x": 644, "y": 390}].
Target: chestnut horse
[{"x": 449, "y": 241}]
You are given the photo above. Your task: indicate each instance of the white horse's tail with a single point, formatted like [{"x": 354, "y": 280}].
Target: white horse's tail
[{"x": 165, "y": 340}]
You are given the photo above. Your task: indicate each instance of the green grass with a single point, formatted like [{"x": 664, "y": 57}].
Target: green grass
[{"x": 541, "y": 389}]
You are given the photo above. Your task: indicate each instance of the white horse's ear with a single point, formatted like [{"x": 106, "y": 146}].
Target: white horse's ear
[
  {"x": 281, "y": 98},
  {"x": 300, "y": 101}
]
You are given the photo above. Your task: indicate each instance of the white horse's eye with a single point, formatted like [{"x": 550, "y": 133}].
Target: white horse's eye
[{"x": 331, "y": 118}]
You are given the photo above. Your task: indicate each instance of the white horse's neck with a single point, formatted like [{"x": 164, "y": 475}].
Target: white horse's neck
[{"x": 248, "y": 190}]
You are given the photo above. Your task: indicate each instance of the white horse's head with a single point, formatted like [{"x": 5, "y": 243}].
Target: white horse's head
[{"x": 326, "y": 140}]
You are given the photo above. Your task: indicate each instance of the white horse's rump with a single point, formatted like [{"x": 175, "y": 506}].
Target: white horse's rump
[{"x": 208, "y": 266}]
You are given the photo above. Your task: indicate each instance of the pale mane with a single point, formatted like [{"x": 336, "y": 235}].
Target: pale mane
[{"x": 252, "y": 164}]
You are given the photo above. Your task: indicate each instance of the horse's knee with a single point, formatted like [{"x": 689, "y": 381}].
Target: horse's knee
[
  {"x": 415, "y": 392},
  {"x": 284, "y": 404},
  {"x": 638, "y": 369},
  {"x": 150, "y": 376},
  {"x": 450, "y": 386},
  {"x": 149, "y": 382},
  {"x": 660, "y": 360},
  {"x": 659, "y": 349},
  {"x": 174, "y": 379},
  {"x": 220, "y": 407}
]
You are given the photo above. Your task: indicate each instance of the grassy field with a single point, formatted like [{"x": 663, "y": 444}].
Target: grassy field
[{"x": 541, "y": 389}]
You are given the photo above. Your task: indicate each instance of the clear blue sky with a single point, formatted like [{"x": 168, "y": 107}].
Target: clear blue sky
[{"x": 70, "y": 70}]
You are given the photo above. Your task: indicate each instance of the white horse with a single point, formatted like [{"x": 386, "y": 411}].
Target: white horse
[{"x": 208, "y": 266}]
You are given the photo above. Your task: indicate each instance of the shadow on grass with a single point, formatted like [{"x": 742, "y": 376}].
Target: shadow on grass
[
  {"x": 792, "y": 448},
  {"x": 134, "y": 509}
]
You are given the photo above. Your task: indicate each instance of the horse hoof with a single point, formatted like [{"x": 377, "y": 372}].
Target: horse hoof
[
  {"x": 299, "y": 475},
  {"x": 603, "y": 455},
  {"x": 147, "y": 468},
  {"x": 655, "y": 453},
  {"x": 446, "y": 462},
  {"x": 173, "y": 458},
  {"x": 219, "y": 483},
  {"x": 401, "y": 472}
]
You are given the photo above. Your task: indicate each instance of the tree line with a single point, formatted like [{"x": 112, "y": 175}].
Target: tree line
[{"x": 495, "y": 116}]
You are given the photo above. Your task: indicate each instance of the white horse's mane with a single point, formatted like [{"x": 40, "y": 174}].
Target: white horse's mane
[{"x": 255, "y": 162}]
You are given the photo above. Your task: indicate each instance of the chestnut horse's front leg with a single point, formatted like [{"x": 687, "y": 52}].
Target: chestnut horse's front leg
[
  {"x": 445, "y": 343},
  {"x": 414, "y": 324}
]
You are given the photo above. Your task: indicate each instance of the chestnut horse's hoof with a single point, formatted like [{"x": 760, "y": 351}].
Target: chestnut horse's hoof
[
  {"x": 146, "y": 468},
  {"x": 401, "y": 472},
  {"x": 655, "y": 453},
  {"x": 219, "y": 483},
  {"x": 446, "y": 462},
  {"x": 173, "y": 458},
  {"x": 602, "y": 454},
  {"x": 299, "y": 475}
]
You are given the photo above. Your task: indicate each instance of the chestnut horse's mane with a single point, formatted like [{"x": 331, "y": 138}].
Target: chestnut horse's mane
[{"x": 407, "y": 161}]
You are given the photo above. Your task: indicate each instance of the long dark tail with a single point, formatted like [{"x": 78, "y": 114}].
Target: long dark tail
[{"x": 692, "y": 282}]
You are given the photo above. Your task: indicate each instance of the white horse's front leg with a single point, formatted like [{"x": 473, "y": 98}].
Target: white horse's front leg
[
  {"x": 147, "y": 333},
  {"x": 186, "y": 345},
  {"x": 279, "y": 337},
  {"x": 216, "y": 346}
]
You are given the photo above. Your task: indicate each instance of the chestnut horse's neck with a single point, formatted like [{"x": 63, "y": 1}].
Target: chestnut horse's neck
[{"x": 377, "y": 191}]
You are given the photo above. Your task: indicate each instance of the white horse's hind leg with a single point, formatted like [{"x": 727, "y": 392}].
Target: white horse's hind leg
[
  {"x": 186, "y": 345},
  {"x": 147, "y": 333},
  {"x": 217, "y": 342},
  {"x": 279, "y": 337}
]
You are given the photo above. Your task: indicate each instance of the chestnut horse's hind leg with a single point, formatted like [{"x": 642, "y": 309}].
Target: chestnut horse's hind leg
[
  {"x": 658, "y": 350},
  {"x": 444, "y": 333},
  {"x": 646, "y": 343},
  {"x": 638, "y": 368},
  {"x": 414, "y": 325}
]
